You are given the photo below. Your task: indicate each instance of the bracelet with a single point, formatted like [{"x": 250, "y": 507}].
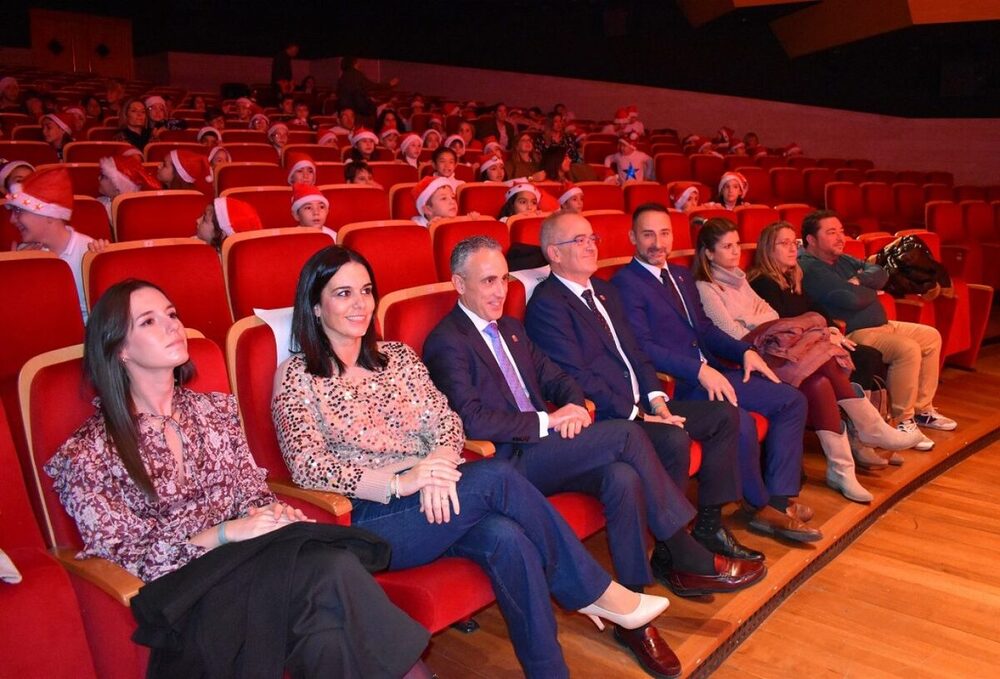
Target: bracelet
[{"x": 220, "y": 532}]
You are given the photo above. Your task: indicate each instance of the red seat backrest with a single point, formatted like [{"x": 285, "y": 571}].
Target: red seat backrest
[
  {"x": 402, "y": 205},
  {"x": 388, "y": 174},
  {"x": 758, "y": 185},
  {"x": 93, "y": 151},
  {"x": 241, "y": 175},
  {"x": 977, "y": 217},
  {"x": 34, "y": 152},
  {"x": 832, "y": 163},
  {"x": 862, "y": 164},
  {"x": 597, "y": 151},
  {"x": 844, "y": 198},
  {"x": 601, "y": 196},
  {"x": 272, "y": 203},
  {"x": 230, "y": 136},
  {"x": 447, "y": 235},
  {"x": 801, "y": 162},
  {"x": 966, "y": 192},
  {"x": 911, "y": 177},
  {"x": 939, "y": 177},
  {"x": 486, "y": 199},
  {"x": 751, "y": 220},
  {"x": 613, "y": 228},
  {"x": 909, "y": 199},
  {"x": 411, "y": 319},
  {"x": 794, "y": 213},
  {"x": 638, "y": 193},
  {"x": 945, "y": 219},
  {"x": 815, "y": 179},
  {"x": 878, "y": 200},
  {"x": 886, "y": 176},
  {"x": 330, "y": 173},
  {"x": 156, "y": 151},
  {"x": 787, "y": 184},
  {"x": 355, "y": 203},
  {"x": 157, "y": 214},
  {"x": 83, "y": 176},
  {"x": 706, "y": 168},
  {"x": 526, "y": 230},
  {"x": 90, "y": 217},
  {"x": 938, "y": 192},
  {"x": 252, "y": 153},
  {"x": 400, "y": 254},
  {"x": 672, "y": 167},
  {"x": 849, "y": 174}
]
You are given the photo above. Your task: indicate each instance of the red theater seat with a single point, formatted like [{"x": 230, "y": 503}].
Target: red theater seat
[
  {"x": 884, "y": 176},
  {"x": 90, "y": 217},
  {"x": 34, "y": 152},
  {"x": 446, "y": 234},
  {"x": 156, "y": 151},
  {"x": 671, "y": 167},
  {"x": 638, "y": 193},
  {"x": 230, "y": 137},
  {"x": 787, "y": 185},
  {"x": 525, "y": 229},
  {"x": 252, "y": 153},
  {"x": 156, "y": 214},
  {"x": 880, "y": 204},
  {"x": 909, "y": 199},
  {"x": 486, "y": 199},
  {"x": 938, "y": 192},
  {"x": 966, "y": 192},
  {"x": 83, "y": 176},
  {"x": 815, "y": 180},
  {"x": 355, "y": 203},
  {"x": 401, "y": 203},
  {"x": 319, "y": 154},
  {"x": 388, "y": 174},
  {"x": 381, "y": 242},
  {"x": 92, "y": 151},
  {"x": 600, "y": 196},
  {"x": 243, "y": 175},
  {"x": 844, "y": 198},
  {"x": 613, "y": 227},
  {"x": 706, "y": 168},
  {"x": 938, "y": 178},
  {"x": 849, "y": 174},
  {"x": 758, "y": 185},
  {"x": 751, "y": 220},
  {"x": 794, "y": 213},
  {"x": 272, "y": 203}
]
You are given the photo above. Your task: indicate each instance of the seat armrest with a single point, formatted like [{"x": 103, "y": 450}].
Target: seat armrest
[
  {"x": 480, "y": 448},
  {"x": 117, "y": 582},
  {"x": 328, "y": 501}
]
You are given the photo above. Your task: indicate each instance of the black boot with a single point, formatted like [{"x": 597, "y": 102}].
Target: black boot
[{"x": 715, "y": 537}]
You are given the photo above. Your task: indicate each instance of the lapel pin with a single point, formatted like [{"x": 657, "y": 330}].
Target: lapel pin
[
  {"x": 602, "y": 298},
  {"x": 513, "y": 338}
]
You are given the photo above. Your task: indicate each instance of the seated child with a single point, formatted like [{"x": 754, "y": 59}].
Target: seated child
[
  {"x": 223, "y": 217},
  {"x": 310, "y": 207}
]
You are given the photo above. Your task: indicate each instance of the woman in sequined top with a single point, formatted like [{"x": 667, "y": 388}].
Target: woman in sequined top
[{"x": 364, "y": 419}]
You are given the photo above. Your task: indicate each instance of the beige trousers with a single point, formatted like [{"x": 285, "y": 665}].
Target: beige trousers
[{"x": 913, "y": 352}]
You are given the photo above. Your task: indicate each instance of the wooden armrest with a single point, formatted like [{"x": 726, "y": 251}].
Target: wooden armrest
[
  {"x": 328, "y": 501},
  {"x": 117, "y": 582},
  {"x": 664, "y": 377},
  {"x": 480, "y": 448}
]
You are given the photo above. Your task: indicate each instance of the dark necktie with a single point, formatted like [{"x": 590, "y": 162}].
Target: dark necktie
[
  {"x": 588, "y": 297},
  {"x": 672, "y": 293}
]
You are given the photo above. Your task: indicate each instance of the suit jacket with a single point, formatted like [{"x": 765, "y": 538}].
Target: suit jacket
[
  {"x": 465, "y": 370},
  {"x": 670, "y": 340},
  {"x": 489, "y": 128},
  {"x": 565, "y": 328}
]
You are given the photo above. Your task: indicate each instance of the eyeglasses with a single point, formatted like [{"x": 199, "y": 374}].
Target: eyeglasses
[{"x": 592, "y": 239}]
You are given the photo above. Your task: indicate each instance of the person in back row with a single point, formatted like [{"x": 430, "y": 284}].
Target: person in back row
[
  {"x": 846, "y": 288},
  {"x": 311, "y": 208},
  {"x": 223, "y": 217}
]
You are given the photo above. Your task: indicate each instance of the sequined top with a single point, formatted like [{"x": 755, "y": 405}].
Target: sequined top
[
  {"x": 352, "y": 435},
  {"x": 149, "y": 538}
]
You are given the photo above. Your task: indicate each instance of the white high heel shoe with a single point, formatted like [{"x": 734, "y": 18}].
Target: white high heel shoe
[{"x": 649, "y": 609}]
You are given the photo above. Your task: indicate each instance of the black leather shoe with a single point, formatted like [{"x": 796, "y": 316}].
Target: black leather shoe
[
  {"x": 650, "y": 650},
  {"x": 722, "y": 541}
]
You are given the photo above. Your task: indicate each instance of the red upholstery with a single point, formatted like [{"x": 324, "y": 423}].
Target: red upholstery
[
  {"x": 832, "y": 163},
  {"x": 381, "y": 247},
  {"x": 815, "y": 180},
  {"x": 525, "y": 229},
  {"x": 911, "y": 177},
  {"x": 189, "y": 135},
  {"x": 102, "y": 133},
  {"x": 966, "y": 192},
  {"x": 355, "y": 203},
  {"x": 91, "y": 218},
  {"x": 34, "y": 152},
  {"x": 769, "y": 162},
  {"x": 939, "y": 178},
  {"x": 273, "y": 204},
  {"x": 980, "y": 228},
  {"x": 794, "y": 213},
  {"x": 486, "y": 199},
  {"x": 845, "y": 199},
  {"x": 319, "y": 154},
  {"x": 240, "y": 175},
  {"x": 445, "y": 236},
  {"x": 956, "y": 251},
  {"x": 879, "y": 203},
  {"x": 751, "y": 220},
  {"x": 156, "y": 214},
  {"x": 83, "y": 176},
  {"x": 787, "y": 184},
  {"x": 188, "y": 271},
  {"x": 388, "y": 174},
  {"x": 27, "y": 133},
  {"x": 402, "y": 205},
  {"x": 849, "y": 174},
  {"x": 329, "y": 173},
  {"x": 637, "y": 193},
  {"x": 884, "y": 176},
  {"x": 938, "y": 192},
  {"x": 606, "y": 268},
  {"x": 861, "y": 163},
  {"x": 613, "y": 228},
  {"x": 601, "y": 196},
  {"x": 802, "y": 162},
  {"x": 671, "y": 167},
  {"x": 706, "y": 168},
  {"x": 156, "y": 151},
  {"x": 759, "y": 185},
  {"x": 681, "y": 227},
  {"x": 262, "y": 271},
  {"x": 92, "y": 151},
  {"x": 252, "y": 153},
  {"x": 230, "y": 137},
  {"x": 597, "y": 151},
  {"x": 909, "y": 200},
  {"x": 875, "y": 241}
]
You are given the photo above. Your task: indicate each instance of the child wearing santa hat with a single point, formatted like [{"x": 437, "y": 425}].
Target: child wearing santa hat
[
  {"x": 277, "y": 134},
  {"x": 301, "y": 168},
  {"x": 410, "y": 148},
  {"x": 209, "y": 136},
  {"x": 57, "y": 130},
  {"x": 259, "y": 122},
  {"x": 522, "y": 198},
  {"x": 444, "y": 161},
  {"x": 631, "y": 164},
  {"x": 390, "y": 140},
  {"x": 634, "y": 124},
  {"x": 432, "y": 139},
  {"x": 687, "y": 200},
  {"x": 219, "y": 155},
  {"x": 435, "y": 200},
  {"x": 122, "y": 174},
  {"x": 571, "y": 198},
  {"x": 491, "y": 168},
  {"x": 41, "y": 208},
  {"x": 13, "y": 172},
  {"x": 310, "y": 207},
  {"x": 223, "y": 217},
  {"x": 244, "y": 108},
  {"x": 183, "y": 169},
  {"x": 733, "y": 188},
  {"x": 456, "y": 144},
  {"x": 363, "y": 143}
]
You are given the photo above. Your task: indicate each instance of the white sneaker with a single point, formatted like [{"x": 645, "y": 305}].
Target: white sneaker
[
  {"x": 932, "y": 419},
  {"x": 910, "y": 426}
]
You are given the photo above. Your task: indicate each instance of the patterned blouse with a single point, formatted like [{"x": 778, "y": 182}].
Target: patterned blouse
[
  {"x": 150, "y": 538},
  {"x": 352, "y": 435}
]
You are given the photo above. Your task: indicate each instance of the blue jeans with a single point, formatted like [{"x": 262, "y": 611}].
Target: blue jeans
[{"x": 510, "y": 530}]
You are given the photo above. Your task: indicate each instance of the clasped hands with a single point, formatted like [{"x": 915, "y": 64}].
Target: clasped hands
[
  {"x": 262, "y": 520},
  {"x": 436, "y": 479}
]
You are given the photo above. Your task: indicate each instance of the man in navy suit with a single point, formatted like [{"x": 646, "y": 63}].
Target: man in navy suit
[
  {"x": 499, "y": 383},
  {"x": 665, "y": 313}
]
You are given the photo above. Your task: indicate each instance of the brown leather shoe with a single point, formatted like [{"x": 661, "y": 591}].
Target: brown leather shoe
[
  {"x": 650, "y": 650},
  {"x": 799, "y": 511},
  {"x": 770, "y": 521},
  {"x": 730, "y": 575}
]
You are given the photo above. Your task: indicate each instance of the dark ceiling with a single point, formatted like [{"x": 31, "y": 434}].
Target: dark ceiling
[{"x": 946, "y": 70}]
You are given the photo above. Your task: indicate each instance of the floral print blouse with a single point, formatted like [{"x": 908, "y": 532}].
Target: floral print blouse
[{"x": 149, "y": 538}]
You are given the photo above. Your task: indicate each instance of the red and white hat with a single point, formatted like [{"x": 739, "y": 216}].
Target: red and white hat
[
  {"x": 296, "y": 161},
  {"x": 488, "y": 160},
  {"x": 154, "y": 99},
  {"x": 491, "y": 145},
  {"x": 428, "y": 132},
  {"x": 621, "y": 116},
  {"x": 449, "y": 108},
  {"x": 408, "y": 139},
  {"x": 685, "y": 195},
  {"x": 78, "y": 113},
  {"x": 208, "y": 129},
  {"x": 10, "y": 166},
  {"x": 245, "y": 101},
  {"x": 792, "y": 150},
  {"x": 260, "y": 116},
  {"x": 521, "y": 186},
  {"x": 435, "y": 119},
  {"x": 62, "y": 120},
  {"x": 740, "y": 180},
  {"x": 362, "y": 133},
  {"x": 423, "y": 191},
  {"x": 453, "y": 138},
  {"x": 388, "y": 132},
  {"x": 236, "y": 216},
  {"x": 326, "y": 135},
  {"x": 303, "y": 194},
  {"x": 47, "y": 192},
  {"x": 128, "y": 174},
  {"x": 271, "y": 131},
  {"x": 630, "y": 138},
  {"x": 569, "y": 189},
  {"x": 192, "y": 168},
  {"x": 216, "y": 150}
]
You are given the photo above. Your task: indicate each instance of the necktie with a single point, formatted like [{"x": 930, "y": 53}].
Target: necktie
[
  {"x": 675, "y": 298},
  {"x": 588, "y": 297},
  {"x": 509, "y": 373}
]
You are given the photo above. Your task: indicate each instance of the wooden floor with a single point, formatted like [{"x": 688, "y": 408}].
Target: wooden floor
[{"x": 912, "y": 596}]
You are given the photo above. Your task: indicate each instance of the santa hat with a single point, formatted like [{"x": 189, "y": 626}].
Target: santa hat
[
  {"x": 740, "y": 179},
  {"x": 429, "y": 131},
  {"x": 449, "y": 109},
  {"x": 633, "y": 111},
  {"x": 630, "y": 138},
  {"x": 362, "y": 133},
  {"x": 236, "y": 216},
  {"x": 47, "y": 192},
  {"x": 423, "y": 191},
  {"x": 63, "y": 121},
  {"x": 410, "y": 139},
  {"x": 192, "y": 168},
  {"x": 296, "y": 161},
  {"x": 621, "y": 116},
  {"x": 127, "y": 174},
  {"x": 208, "y": 129},
  {"x": 486, "y": 161},
  {"x": 245, "y": 101},
  {"x": 260, "y": 116},
  {"x": 792, "y": 150},
  {"x": 8, "y": 166},
  {"x": 325, "y": 135},
  {"x": 388, "y": 132},
  {"x": 216, "y": 151},
  {"x": 520, "y": 186},
  {"x": 274, "y": 128},
  {"x": 452, "y": 139},
  {"x": 78, "y": 113},
  {"x": 155, "y": 99},
  {"x": 685, "y": 195},
  {"x": 492, "y": 146},
  {"x": 569, "y": 189},
  {"x": 303, "y": 194},
  {"x": 435, "y": 118}
]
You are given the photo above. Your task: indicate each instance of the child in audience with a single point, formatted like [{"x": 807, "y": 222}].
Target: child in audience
[
  {"x": 688, "y": 199},
  {"x": 57, "y": 130},
  {"x": 435, "y": 200},
  {"x": 214, "y": 117},
  {"x": 302, "y": 120},
  {"x": 432, "y": 139},
  {"x": 310, "y": 207},
  {"x": 444, "y": 162},
  {"x": 456, "y": 144},
  {"x": 363, "y": 143},
  {"x": 360, "y": 172},
  {"x": 13, "y": 172},
  {"x": 182, "y": 169},
  {"x": 522, "y": 198},
  {"x": 277, "y": 134},
  {"x": 259, "y": 122},
  {"x": 219, "y": 156},
  {"x": 122, "y": 174},
  {"x": 390, "y": 140},
  {"x": 410, "y": 148},
  {"x": 301, "y": 168},
  {"x": 630, "y": 164},
  {"x": 733, "y": 188},
  {"x": 571, "y": 198},
  {"x": 244, "y": 109},
  {"x": 491, "y": 168},
  {"x": 223, "y": 217},
  {"x": 209, "y": 136}
]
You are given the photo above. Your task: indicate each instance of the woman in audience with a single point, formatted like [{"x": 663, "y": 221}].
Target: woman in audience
[
  {"x": 800, "y": 350},
  {"x": 467, "y": 133},
  {"x": 132, "y": 125},
  {"x": 388, "y": 119},
  {"x": 223, "y": 217},
  {"x": 491, "y": 168},
  {"x": 555, "y": 135},
  {"x": 161, "y": 475},
  {"x": 57, "y": 131},
  {"x": 363, "y": 418},
  {"x": 92, "y": 107},
  {"x": 13, "y": 172},
  {"x": 733, "y": 189},
  {"x": 522, "y": 198},
  {"x": 524, "y": 162}
]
